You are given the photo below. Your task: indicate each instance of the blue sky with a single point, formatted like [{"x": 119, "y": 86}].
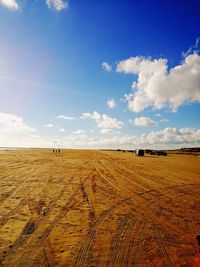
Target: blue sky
[{"x": 99, "y": 74}]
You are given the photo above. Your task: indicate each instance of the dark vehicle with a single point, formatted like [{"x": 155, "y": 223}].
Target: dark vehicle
[
  {"x": 161, "y": 153},
  {"x": 139, "y": 152},
  {"x": 158, "y": 153}
]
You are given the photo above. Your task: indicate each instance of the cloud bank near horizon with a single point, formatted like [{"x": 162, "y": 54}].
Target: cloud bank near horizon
[{"x": 168, "y": 138}]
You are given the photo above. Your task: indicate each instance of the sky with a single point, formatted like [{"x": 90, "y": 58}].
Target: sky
[{"x": 100, "y": 74}]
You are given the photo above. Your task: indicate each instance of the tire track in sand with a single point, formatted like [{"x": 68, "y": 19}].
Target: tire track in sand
[{"x": 85, "y": 248}]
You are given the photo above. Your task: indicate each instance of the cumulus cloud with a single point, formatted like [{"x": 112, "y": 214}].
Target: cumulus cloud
[
  {"x": 173, "y": 136},
  {"x": 103, "y": 121},
  {"x": 168, "y": 138},
  {"x": 10, "y": 123},
  {"x": 61, "y": 130},
  {"x": 77, "y": 139},
  {"x": 164, "y": 120},
  {"x": 11, "y": 4},
  {"x": 108, "y": 122},
  {"x": 79, "y": 131},
  {"x": 156, "y": 87},
  {"x": 193, "y": 49},
  {"x": 144, "y": 121},
  {"x": 106, "y": 131},
  {"x": 95, "y": 116},
  {"x": 111, "y": 103},
  {"x": 106, "y": 66},
  {"x": 58, "y": 5},
  {"x": 65, "y": 117},
  {"x": 49, "y": 125}
]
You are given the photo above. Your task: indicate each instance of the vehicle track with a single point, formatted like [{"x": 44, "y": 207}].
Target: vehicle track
[
  {"x": 121, "y": 242},
  {"x": 158, "y": 234},
  {"x": 85, "y": 248},
  {"x": 38, "y": 220},
  {"x": 118, "y": 235},
  {"x": 159, "y": 240},
  {"x": 138, "y": 245},
  {"x": 162, "y": 246},
  {"x": 141, "y": 204},
  {"x": 22, "y": 203},
  {"x": 28, "y": 261},
  {"x": 115, "y": 244}
]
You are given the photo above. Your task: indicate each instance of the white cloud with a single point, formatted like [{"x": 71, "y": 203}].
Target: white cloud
[
  {"x": 61, "y": 130},
  {"x": 173, "y": 136},
  {"x": 79, "y": 131},
  {"x": 108, "y": 122},
  {"x": 65, "y": 117},
  {"x": 10, "y": 123},
  {"x": 77, "y": 139},
  {"x": 34, "y": 136},
  {"x": 19, "y": 140},
  {"x": 156, "y": 87},
  {"x": 103, "y": 121},
  {"x": 144, "y": 121},
  {"x": 106, "y": 131},
  {"x": 106, "y": 66},
  {"x": 167, "y": 138},
  {"x": 85, "y": 116},
  {"x": 164, "y": 120},
  {"x": 58, "y": 5},
  {"x": 11, "y": 4},
  {"x": 49, "y": 125},
  {"x": 95, "y": 116},
  {"x": 111, "y": 103},
  {"x": 193, "y": 49}
]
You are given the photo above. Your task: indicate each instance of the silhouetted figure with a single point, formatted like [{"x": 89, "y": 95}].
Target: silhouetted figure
[
  {"x": 53, "y": 150},
  {"x": 198, "y": 239}
]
